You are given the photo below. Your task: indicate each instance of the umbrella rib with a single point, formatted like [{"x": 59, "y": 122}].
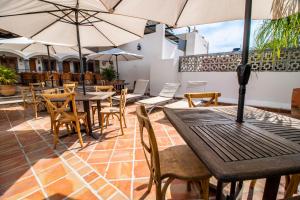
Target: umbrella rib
[
  {"x": 181, "y": 12},
  {"x": 50, "y": 25},
  {"x": 88, "y": 17},
  {"x": 124, "y": 57},
  {"x": 117, "y": 4},
  {"x": 115, "y": 25},
  {"x": 56, "y": 4},
  {"x": 62, "y": 20},
  {"x": 98, "y": 30},
  {"x": 32, "y": 13},
  {"x": 103, "y": 4},
  {"x": 53, "y": 49},
  {"x": 26, "y": 47},
  {"x": 65, "y": 13}
]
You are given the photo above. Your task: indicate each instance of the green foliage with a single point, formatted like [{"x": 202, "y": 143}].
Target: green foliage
[
  {"x": 7, "y": 76},
  {"x": 109, "y": 73},
  {"x": 278, "y": 34}
]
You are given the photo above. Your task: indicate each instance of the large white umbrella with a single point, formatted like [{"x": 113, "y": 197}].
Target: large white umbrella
[
  {"x": 72, "y": 22},
  {"x": 27, "y": 47},
  {"x": 115, "y": 54},
  {"x": 179, "y": 13}
]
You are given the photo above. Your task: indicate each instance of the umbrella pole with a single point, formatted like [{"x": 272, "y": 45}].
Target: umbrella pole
[
  {"x": 117, "y": 67},
  {"x": 49, "y": 65},
  {"x": 79, "y": 51},
  {"x": 244, "y": 70}
]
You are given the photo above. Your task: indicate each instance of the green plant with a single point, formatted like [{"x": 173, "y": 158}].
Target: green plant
[
  {"x": 7, "y": 76},
  {"x": 278, "y": 34},
  {"x": 109, "y": 73}
]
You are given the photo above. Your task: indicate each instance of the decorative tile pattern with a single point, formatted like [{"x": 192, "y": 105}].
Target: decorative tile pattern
[
  {"x": 289, "y": 61},
  {"x": 112, "y": 167}
]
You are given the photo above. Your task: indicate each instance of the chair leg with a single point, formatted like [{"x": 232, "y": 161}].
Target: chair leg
[
  {"x": 55, "y": 135},
  {"x": 107, "y": 120},
  {"x": 79, "y": 133},
  {"x": 252, "y": 184},
  {"x": 166, "y": 185},
  {"x": 123, "y": 116},
  {"x": 102, "y": 122},
  {"x": 68, "y": 129},
  {"x": 150, "y": 184},
  {"x": 86, "y": 126},
  {"x": 292, "y": 187},
  {"x": 35, "y": 111},
  {"x": 158, "y": 191},
  {"x": 189, "y": 186},
  {"x": 93, "y": 115},
  {"x": 121, "y": 124},
  {"x": 204, "y": 184}
]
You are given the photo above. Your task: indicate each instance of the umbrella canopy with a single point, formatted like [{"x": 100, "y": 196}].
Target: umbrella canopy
[
  {"x": 55, "y": 21},
  {"x": 182, "y": 13},
  {"x": 115, "y": 54},
  {"x": 112, "y": 53},
  {"x": 30, "y": 47},
  {"x": 73, "y": 22}
]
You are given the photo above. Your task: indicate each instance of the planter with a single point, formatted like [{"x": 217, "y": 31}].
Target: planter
[
  {"x": 296, "y": 103},
  {"x": 8, "y": 90}
]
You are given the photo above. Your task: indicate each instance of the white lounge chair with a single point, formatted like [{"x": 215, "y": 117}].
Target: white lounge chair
[
  {"x": 165, "y": 96},
  {"x": 139, "y": 91}
]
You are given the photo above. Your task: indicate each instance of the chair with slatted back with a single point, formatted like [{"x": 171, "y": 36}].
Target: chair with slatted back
[
  {"x": 70, "y": 87},
  {"x": 62, "y": 114},
  {"x": 177, "y": 162},
  {"x": 119, "y": 112},
  {"x": 31, "y": 99},
  {"x": 212, "y": 98},
  {"x": 108, "y": 103},
  {"x": 39, "y": 84}
]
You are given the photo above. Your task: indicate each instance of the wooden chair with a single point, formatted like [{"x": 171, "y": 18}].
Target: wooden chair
[
  {"x": 177, "y": 162},
  {"x": 212, "y": 95},
  {"x": 62, "y": 115},
  {"x": 39, "y": 84},
  {"x": 31, "y": 99},
  {"x": 119, "y": 112},
  {"x": 108, "y": 103},
  {"x": 70, "y": 87},
  {"x": 66, "y": 77},
  {"x": 88, "y": 78}
]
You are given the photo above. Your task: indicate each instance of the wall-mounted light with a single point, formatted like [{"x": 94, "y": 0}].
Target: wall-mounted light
[{"x": 139, "y": 47}]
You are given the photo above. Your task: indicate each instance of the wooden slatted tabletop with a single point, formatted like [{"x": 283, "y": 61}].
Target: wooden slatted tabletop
[{"x": 266, "y": 145}]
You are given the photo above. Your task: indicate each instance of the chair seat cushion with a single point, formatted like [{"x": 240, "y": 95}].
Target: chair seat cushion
[
  {"x": 110, "y": 110},
  {"x": 155, "y": 100},
  {"x": 181, "y": 162}
]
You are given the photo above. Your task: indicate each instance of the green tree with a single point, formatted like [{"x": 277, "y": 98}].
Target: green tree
[
  {"x": 7, "y": 76},
  {"x": 278, "y": 34}
]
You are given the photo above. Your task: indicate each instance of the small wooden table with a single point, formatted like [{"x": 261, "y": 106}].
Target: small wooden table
[
  {"x": 93, "y": 96},
  {"x": 266, "y": 145}
]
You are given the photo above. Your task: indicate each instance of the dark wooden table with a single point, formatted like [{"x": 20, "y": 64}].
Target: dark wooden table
[
  {"x": 93, "y": 96},
  {"x": 267, "y": 145}
]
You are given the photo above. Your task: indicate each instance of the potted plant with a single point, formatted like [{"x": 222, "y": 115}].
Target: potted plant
[
  {"x": 8, "y": 78},
  {"x": 109, "y": 73}
]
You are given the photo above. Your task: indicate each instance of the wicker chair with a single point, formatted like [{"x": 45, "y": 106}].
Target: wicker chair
[
  {"x": 60, "y": 115},
  {"x": 119, "y": 112},
  {"x": 30, "y": 99},
  {"x": 108, "y": 103},
  {"x": 88, "y": 78},
  {"x": 70, "y": 87},
  {"x": 177, "y": 162},
  {"x": 66, "y": 77},
  {"x": 213, "y": 98}
]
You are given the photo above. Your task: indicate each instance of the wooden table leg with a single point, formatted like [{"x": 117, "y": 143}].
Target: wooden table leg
[
  {"x": 271, "y": 188},
  {"x": 232, "y": 191},
  {"x": 99, "y": 114},
  {"x": 219, "y": 192},
  {"x": 86, "y": 107}
]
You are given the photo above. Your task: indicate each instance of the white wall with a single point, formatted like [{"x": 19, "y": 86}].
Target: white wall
[{"x": 268, "y": 89}]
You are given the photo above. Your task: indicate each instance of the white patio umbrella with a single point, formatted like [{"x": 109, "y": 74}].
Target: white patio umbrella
[
  {"x": 115, "y": 54},
  {"x": 28, "y": 47},
  {"x": 79, "y": 23},
  {"x": 180, "y": 13}
]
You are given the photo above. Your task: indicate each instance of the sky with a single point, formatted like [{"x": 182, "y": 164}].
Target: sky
[{"x": 224, "y": 36}]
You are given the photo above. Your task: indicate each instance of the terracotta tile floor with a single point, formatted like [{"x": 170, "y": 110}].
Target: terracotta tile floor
[{"x": 112, "y": 167}]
